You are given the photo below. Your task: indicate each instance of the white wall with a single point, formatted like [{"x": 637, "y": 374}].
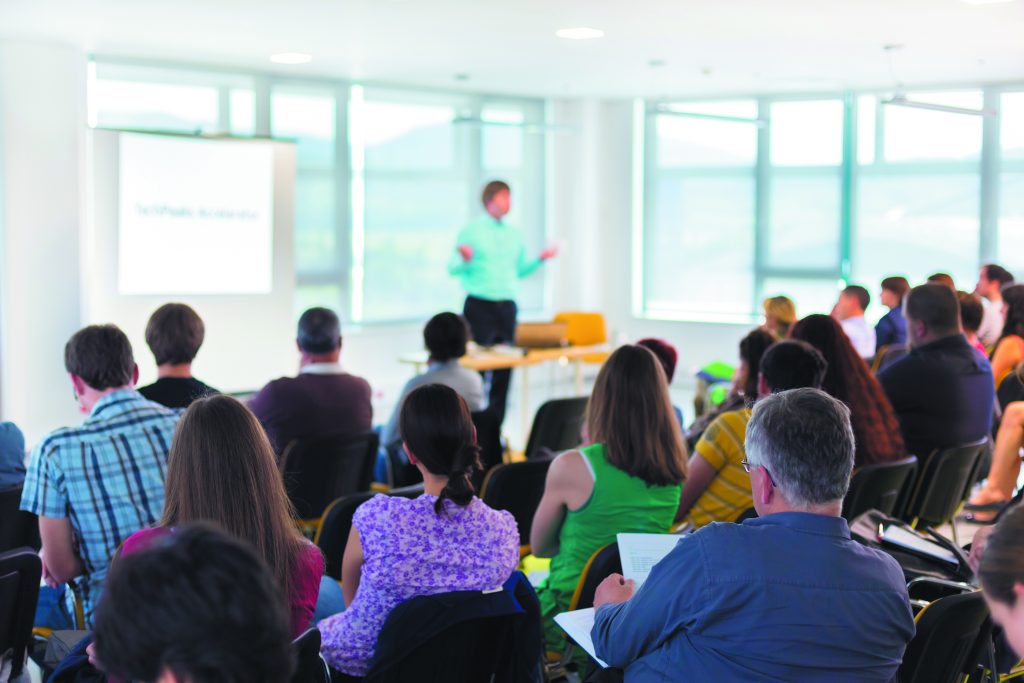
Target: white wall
[{"x": 42, "y": 129}]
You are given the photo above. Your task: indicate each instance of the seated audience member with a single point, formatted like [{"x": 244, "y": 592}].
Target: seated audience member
[
  {"x": 1005, "y": 468},
  {"x": 627, "y": 480},
  {"x": 1001, "y": 573},
  {"x": 197, "y": 607},
  {"x": 12, "y": 456},
  {"x": 779, "y": 315},
  {"x": 992, "y": 280},
  {"x": 669, "y": 357},
  {"x": 942, "y": 390},
  {"x": 971, "y": 314},
  {"x": 445, "y": 337},
  {"x": 174, "y": 334},
  {"x": 219, "y": 446},
  {"x": 445, "y": 540},
  {"x": 891, "y": 330},
  {"x": 1009, "y": 349},
  {"x": 788, "y": 596},
  {"x": 848, "y": 379},
  {"x": 849, "y": 311},
  {"x": 717, "y": 488},
  {"x": 95, "y": 485},
  {"x": 944, "y": 279},
  {"x": 323, "y": 400},
  {"x": 744, "y": 389}
]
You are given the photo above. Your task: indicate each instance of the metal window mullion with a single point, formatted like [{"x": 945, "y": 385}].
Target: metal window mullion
[
  {"x": 988, "y": 206},
  {"x": 762, "y": 199},
  {"x": 342, "y": 200},
  {"x": 847, "y": 201}
]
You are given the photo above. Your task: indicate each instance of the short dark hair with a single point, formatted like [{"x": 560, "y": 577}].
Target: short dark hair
[
  {"x": 199, "y": 603},
  {"x": 896, "y": 284},
  {"x": 101, "y": 355},
  {"x": 994, "y": 272},
  {"x": 174, "y": 334},
  {"x": 665, "y": 352},
  {"x": 860, "y": 294},
  {"x": 971, "y": 311},
  {"x": 752, "y": 348},
  {"x": 445, "y": 337},
  {"x": 936, "y": 306},
  {"x": 492, "y": 188},
  {"x": 942, "y": 279},
  {"x": 319, "y": 331},
  {"x": 793, "y": 364}
]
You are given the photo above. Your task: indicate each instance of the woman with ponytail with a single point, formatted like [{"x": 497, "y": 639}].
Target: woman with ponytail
[{"x": 445, "y": 540}]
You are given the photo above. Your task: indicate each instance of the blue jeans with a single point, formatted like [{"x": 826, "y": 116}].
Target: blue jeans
[
  {"x": 330, "y": 601},
  {"x": 53, "y": 610}
]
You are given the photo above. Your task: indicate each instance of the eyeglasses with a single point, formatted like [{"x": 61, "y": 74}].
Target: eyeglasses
[{"x": 747, "y": 466}]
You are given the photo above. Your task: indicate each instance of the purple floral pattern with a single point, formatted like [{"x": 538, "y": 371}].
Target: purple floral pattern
[{"x": 409, "y": 550}]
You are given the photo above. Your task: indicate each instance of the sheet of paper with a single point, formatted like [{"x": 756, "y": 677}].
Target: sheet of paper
[
  {"x": 640, "y": 552},
  {"x": 577, "y": 625}
]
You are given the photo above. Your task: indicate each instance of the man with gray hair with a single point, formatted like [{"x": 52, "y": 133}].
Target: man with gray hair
[{"x": 788, "y": 596}]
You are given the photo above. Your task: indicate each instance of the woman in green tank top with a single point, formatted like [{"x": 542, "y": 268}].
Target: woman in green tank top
[{"x": 628, "y": 480}]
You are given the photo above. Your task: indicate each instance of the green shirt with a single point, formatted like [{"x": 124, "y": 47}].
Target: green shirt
[
  {"x": 499, "y": 260},
  {"x": 619, "y": 503}
]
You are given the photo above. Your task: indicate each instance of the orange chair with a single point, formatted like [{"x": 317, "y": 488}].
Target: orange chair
[{"x": 585, "y": 329}]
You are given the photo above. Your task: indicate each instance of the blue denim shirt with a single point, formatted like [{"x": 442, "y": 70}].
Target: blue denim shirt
[
  {"x": 12, "y": 456},
  {"x": 789, "y": 597},
  {"x": 891, "y": 329}
]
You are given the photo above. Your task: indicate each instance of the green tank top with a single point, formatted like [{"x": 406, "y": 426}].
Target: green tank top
[{"x": 619, "y": 503}]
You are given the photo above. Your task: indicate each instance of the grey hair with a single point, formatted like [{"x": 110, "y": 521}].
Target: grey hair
[{"x": 804, "y": 439}]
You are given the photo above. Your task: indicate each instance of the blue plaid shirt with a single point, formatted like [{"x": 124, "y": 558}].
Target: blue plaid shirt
[{"x": 106, "y": 476}]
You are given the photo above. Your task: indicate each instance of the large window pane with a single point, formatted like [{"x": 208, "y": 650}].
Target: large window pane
[
  {"x": 1011, "y": 113},
  {"x": 807, "y": 133},
  {"x": 155, "y": 106},
  {"x": 407, "y": 137},
  {"x": 687, "y": 141},
  {"x": 408, "y": 245},
  {"x": 699, "y": 247},
  {"x": 915, "y": 225},
  {"x": 917, "y": 134},
  {"x": 810, "y": 295},
  {"x": 502, "y": 138},
  {"x": 309, "y": 117},
  {"x": 316, "y": 236},
  {"x": 804, "y": 224}
]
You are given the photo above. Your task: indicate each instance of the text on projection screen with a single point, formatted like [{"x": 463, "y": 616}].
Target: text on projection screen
[{"x": 196, "y": 216}]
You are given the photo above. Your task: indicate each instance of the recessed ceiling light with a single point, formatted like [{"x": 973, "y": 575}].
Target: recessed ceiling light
[
  {"x": 291, "y": 58},
  {"x": 986, "y": 2},
  {"x": 581, "y": 33}
]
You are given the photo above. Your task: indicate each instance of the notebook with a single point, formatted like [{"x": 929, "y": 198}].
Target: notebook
[
  {"x": 577, "y": 625},
  {"x": 640, "y": 552}
]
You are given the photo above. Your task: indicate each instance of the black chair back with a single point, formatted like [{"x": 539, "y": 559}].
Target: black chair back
[
  {"x": 878, "y": 487},
  {"x": 517, "y": 487},
  {"x": 317, "y": 471},
  {"x": 333, "y": 533},
  {"x": 557, "y": 425},
  {"x": 20, "y": 571},
  {"x": 944, "y": 483},
  {"x": 462, "y": 636},
  {"x": 601, "y": 565},
  {"x": 749, "y": 513},
  {"x": 309, "y": 665},
  {"x": 943, "y": 649},
  {"x": 17, "y": 528},
  {"x": 488, "y": 437}
]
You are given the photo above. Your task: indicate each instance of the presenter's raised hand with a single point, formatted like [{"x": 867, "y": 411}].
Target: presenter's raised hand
[
  {"x": 616, "y": 588},
  {"x": 549, "y": 253},
  {"x": 466, "y": 252}
]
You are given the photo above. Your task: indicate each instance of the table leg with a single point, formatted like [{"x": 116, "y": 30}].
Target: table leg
[
  {"x": 579, "y": 376},
  {"x": 525, "y": 417}
]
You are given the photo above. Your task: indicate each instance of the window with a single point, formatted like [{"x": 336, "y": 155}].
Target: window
[{"x": 824, "y": 192}]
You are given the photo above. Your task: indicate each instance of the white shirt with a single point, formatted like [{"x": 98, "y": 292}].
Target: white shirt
[
  {"x": 322, "y": 369},
  {"x": 861, "y": 335},
  {"x": 991, "y": 322}
]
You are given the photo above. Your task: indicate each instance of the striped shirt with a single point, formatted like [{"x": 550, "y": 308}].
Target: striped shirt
[
  {"x": 106, "y": 477},
  {"x": 728, "y": 494}
]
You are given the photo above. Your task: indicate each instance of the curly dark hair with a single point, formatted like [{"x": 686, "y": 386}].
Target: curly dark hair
[{"x": 875, "y": 427}]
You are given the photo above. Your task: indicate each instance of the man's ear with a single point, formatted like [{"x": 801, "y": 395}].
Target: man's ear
[
  {"x": 762, "y": 386},
  {"x": 412, "y": 457},
  {"x": 78, "y": 383},
  {"x": 135, "y": 374}
]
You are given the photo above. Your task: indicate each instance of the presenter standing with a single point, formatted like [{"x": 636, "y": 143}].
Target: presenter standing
[{"x": 490, "y": 258}]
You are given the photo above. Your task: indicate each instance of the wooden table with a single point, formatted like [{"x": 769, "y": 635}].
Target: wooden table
[{"x": 508, "y": 357}]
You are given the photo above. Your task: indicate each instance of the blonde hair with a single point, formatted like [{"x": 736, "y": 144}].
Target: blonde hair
[{"x": 783, "y": 310}]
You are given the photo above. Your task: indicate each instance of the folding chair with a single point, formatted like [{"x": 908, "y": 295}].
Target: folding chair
[
  {"x": 878, "y": 487},
  {"x": 310, "y": 667},
  {"x": 517, "y": 487},
  {"x": 944, "y": 484},
  {"x": 20, "y": 571},
  {"x": 945, "y": 647},
  {"x": 556, "y": 426}
]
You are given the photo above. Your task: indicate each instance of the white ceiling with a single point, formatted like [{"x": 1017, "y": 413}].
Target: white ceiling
[{"x": 707, "y": 46}]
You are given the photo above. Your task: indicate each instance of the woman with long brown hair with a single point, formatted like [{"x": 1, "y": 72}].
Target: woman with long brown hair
[
  {"x": 222, "y": 469},
  {"x": 628, "y": 480},
  {"x": 875, "y": 427}
]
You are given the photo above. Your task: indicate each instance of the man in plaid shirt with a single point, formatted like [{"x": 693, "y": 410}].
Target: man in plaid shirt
[{"x": 95, "y": 485}]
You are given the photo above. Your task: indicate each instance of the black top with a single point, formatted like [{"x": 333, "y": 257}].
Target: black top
[
  {"x": 942, "y": 394},
  {"x": 176, "y": 392}
]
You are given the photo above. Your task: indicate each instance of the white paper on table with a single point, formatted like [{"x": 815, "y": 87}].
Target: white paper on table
[
  {"x": 577, "y": 625},
  {"x": 640, "y": 552}
]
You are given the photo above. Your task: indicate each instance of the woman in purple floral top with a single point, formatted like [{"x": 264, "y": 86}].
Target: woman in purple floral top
[{"x": 445, "y": 540}]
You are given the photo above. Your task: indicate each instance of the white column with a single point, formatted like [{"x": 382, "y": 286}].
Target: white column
[{"x": 42, "y": 163}]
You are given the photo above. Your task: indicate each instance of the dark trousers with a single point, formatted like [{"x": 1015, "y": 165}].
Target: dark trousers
[{"x": 493, "y": 322}]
